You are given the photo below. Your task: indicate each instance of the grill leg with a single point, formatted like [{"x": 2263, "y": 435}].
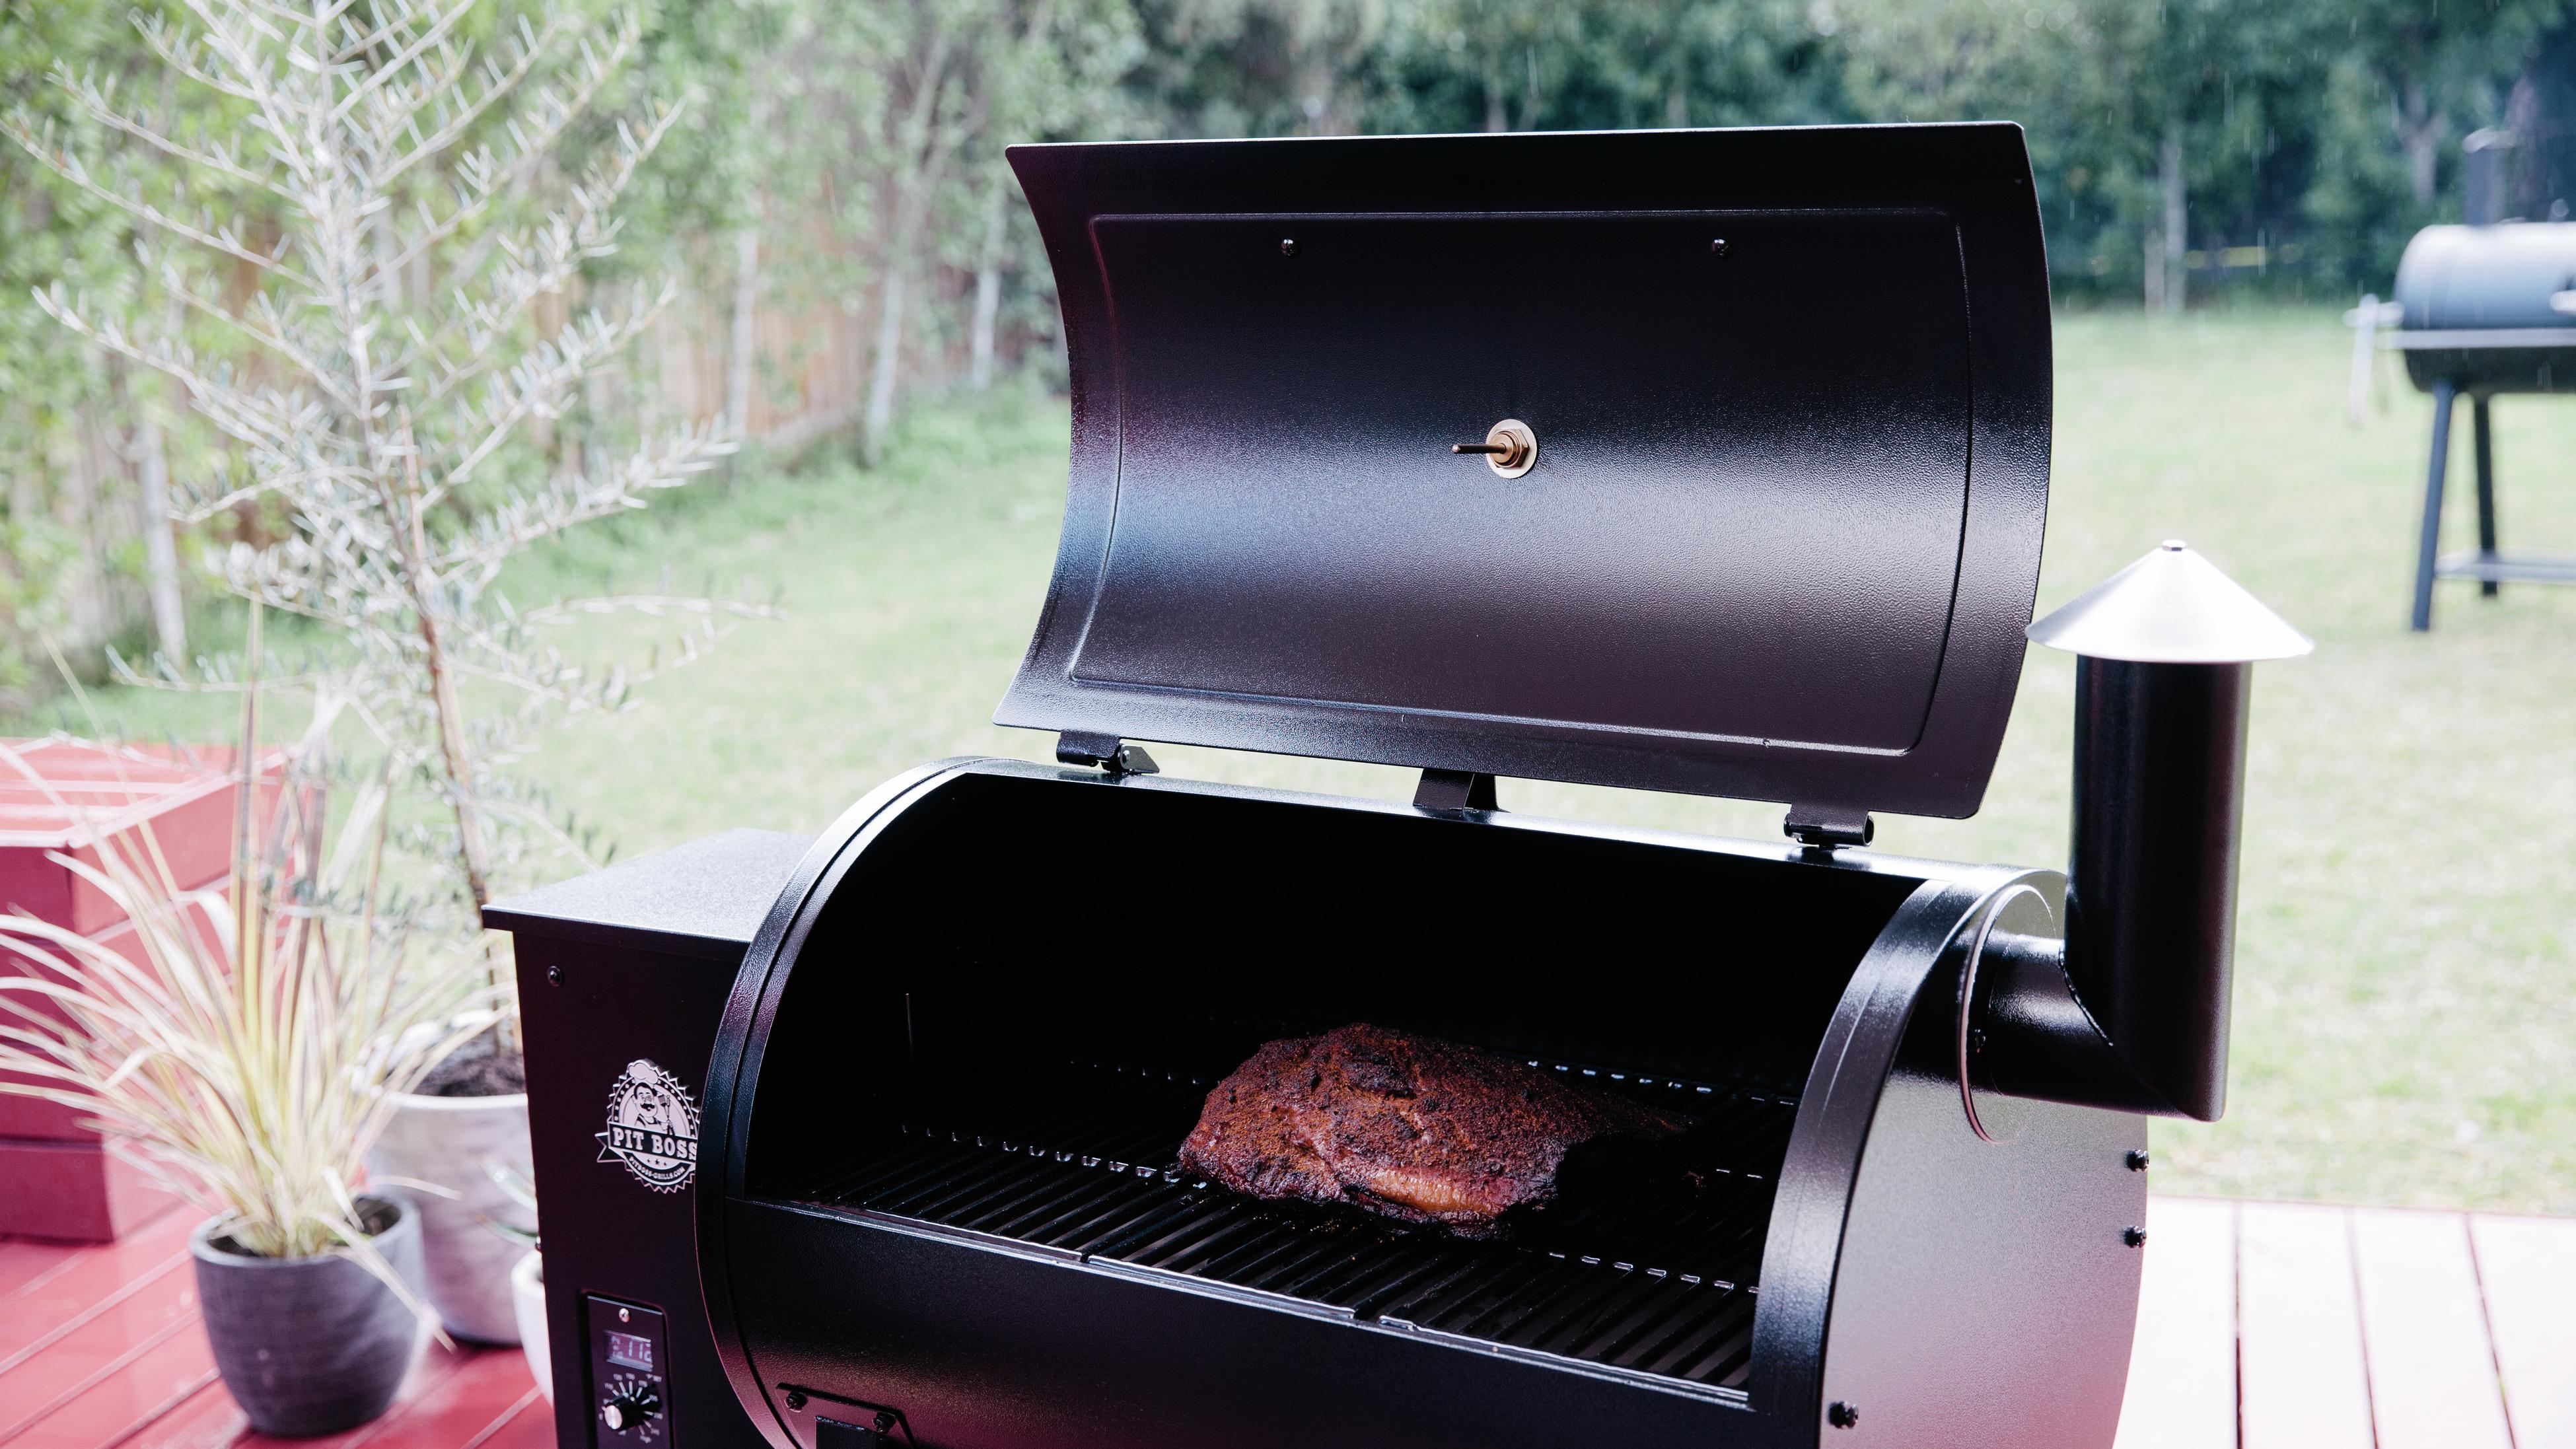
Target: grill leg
[
  {"x": 2443, "y": 393},
  {"x": 2486, "y": 489}
]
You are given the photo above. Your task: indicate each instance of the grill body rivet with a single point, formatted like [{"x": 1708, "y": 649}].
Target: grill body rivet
[
  {"x": 1288, "y": 246},
  {"x": 2134, "y": 1237},
  {"x": 1843, "y": 1415},
  {"x": 1720, "y": 247},
  {"x": 2137, "y": 1161},
  {"x": 795, "y": 1399}
]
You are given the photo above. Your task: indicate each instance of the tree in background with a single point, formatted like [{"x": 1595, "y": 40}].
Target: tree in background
[
  {"x": 383, "y": 231},
  {"x": 843, "y": 232},
  {"x": 85, "y": 443},
  {"x": 2408, "y": 81},
  {"x": 1257, "y": 67},
  {"x": 1517, "y": 65}
]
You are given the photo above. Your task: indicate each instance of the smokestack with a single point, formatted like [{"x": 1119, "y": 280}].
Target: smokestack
[
  {"x": 2131, "y": 1010},
  {"x": 2482, "y": 179}
]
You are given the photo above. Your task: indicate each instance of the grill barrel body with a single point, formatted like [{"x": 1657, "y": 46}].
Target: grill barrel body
[
  {"x": 1887, "y": 1214},
  {"x": 2480, "y": 307},
  {"x": 964, "y": 1300}
]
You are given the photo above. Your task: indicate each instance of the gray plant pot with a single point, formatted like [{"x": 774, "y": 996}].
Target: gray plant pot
[
  {"x": 453, "y": 1142},
  {"x": 310, "y": 1345}
]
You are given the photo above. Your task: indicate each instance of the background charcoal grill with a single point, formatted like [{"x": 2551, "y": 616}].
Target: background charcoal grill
[
  {"x": 1572, "y": 457},
  {"x": 2488, "y": 309}
]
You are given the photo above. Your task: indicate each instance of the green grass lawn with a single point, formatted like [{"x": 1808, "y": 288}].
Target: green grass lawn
[{"x": 2406, "y": 1003}]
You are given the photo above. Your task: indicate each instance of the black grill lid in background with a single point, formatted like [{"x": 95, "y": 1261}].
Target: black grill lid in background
[{"x": 1790, "y": 391}]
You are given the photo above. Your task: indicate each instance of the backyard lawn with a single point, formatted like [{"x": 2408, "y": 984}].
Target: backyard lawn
[{"x": 2406, "y": 960}]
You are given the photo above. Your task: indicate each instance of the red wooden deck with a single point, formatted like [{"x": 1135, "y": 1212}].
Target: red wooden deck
[{"x": 2263, "y": 1326}]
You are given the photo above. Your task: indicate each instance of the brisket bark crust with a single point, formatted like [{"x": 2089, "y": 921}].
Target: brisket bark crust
[{"x": 1410, "y": 1127}]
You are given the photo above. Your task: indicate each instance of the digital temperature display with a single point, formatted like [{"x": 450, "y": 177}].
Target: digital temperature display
[{"x": 630, "y": 1350}]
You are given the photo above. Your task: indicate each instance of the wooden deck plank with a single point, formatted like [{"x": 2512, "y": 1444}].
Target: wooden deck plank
[
  {"x": 25, "y": 1260},
  {"x": 480, "y": 1396},
  {"x": 98, "y": 1345},
  {"x": 21, "y": 1342},
  {"x": 533, "y": 1427},
  {"x": 206, "y": 1419},
  {"x": 80, "y": 1284},
  {"x": 211, "y": 1420},
  {"x": 2182, "y": 1369},
  {"x": 2296, "y": 1327},
  {"x": 2301, "y": 1380},
  {"x": 515, "y": 1426},
  {"x": 2528, "y": 1268},
  {"x": 2432, "y": 1372},
  {"x": 152, "y": 1377}
]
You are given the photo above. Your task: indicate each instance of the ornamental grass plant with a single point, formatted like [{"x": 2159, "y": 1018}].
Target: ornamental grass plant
[{"x": 246, "y": 1048}]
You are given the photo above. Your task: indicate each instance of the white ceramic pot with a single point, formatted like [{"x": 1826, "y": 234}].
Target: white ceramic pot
[
  {"x": 453, "y": 1142},
  {"x": 528, "y": 1293}
]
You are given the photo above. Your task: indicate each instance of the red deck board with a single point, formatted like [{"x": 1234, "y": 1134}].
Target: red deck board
[
  {"x": 143, "y": 1386},
  {"x": 88, "y": 1277},
  {"x": 2259, "y": 1324},
  {"x": 143, "y": 1301},
  {"x": 23, "y": 1262},
  {"x": 211, "y": 1420},
  {"x": 531, "y": 1425},
  {"x": 481, "y": 1394},
  {"x": 206, "y": 1419},
  {"x": 102, "y": 1344}
]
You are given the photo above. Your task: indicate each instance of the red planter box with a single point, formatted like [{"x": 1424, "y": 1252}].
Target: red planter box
[
  {"x": 57, "y": 1180},
  {"x": 107, "y": 791}
]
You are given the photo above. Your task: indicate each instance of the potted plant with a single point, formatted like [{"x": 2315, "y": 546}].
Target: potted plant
[
  {"x": 527, "y": 1276},
  {"x": 409, "y": 440},
  {"x": 248, "y": 1055},
  {"x": 456, "y": 1134}
]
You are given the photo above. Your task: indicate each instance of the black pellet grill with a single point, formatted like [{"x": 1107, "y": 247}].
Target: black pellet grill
[{"x": 1705, "y": 462}]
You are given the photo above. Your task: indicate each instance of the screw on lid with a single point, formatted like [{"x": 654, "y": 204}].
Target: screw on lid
[{"x": 2171, "y": 607}]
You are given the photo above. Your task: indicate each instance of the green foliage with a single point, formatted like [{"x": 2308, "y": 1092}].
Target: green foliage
[
  {"x": 1495, "y": 65},
  {"x": 47, "y": 231},
  {"x": 841, "y": 167}
]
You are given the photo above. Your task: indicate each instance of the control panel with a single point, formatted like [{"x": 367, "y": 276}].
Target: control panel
[{"x": 630, "y": 1358}]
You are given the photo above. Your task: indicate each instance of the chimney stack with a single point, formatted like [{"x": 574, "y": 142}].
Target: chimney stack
[{"x": 2131, "y": 1010}]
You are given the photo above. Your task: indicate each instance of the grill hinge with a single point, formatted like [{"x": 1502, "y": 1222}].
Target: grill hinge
[
  {"x": 1821, "y": 828},
  {"x": 1455, "y": 790},
  {"x": 1104, "y": 752}
]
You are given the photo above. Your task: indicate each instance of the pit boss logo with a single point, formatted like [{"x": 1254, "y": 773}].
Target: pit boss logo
[{"x": 652, "y": 1127}]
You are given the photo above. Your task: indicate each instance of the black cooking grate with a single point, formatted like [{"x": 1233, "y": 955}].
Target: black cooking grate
[{"x": 1654, "y": 1277}]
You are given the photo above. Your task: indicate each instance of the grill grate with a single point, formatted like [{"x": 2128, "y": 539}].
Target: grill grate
[{"x": 1656, "y": 1279}]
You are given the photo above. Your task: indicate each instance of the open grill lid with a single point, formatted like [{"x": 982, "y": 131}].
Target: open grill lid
[{"x": 1789, "y": 391}]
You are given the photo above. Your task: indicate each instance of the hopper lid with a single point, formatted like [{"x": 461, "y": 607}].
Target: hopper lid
[{"x": 2171, "y": 607}]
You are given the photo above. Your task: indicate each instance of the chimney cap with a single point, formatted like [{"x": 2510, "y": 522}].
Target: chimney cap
[{"x": 2171, "y": 607}]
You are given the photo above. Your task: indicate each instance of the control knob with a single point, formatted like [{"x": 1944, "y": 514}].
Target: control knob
[{"x": 630, "y": 1407}]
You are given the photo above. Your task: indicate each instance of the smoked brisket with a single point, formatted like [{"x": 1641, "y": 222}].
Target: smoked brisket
[{"x": 1406, "y": 1126}]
